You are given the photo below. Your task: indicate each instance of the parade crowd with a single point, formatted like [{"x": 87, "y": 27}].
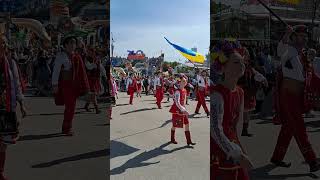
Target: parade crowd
[
  {"x": 177, "y": 86},
  {"x": 67, "y": 73},
  {"x": 243, "y": 75}
]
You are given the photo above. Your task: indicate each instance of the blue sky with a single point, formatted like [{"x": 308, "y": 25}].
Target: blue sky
[{"x": 142, "y": 24}]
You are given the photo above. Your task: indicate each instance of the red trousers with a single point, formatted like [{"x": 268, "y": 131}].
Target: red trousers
[
  {"x": 291, "y": 110},
  {"x": 70, "y": 100},
  {"x": 159, "y": 96},
  {"x": 131, "y": 93},
  {"x": 109, "y": 113},
  {"x": 202, "y": 101},
  {"x": 229, "y": 174}
]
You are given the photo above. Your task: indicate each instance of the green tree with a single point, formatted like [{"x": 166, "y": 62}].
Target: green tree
[{"x": 166, "y": 65}]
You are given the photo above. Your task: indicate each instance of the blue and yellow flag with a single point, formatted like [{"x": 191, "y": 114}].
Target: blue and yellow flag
[{"x": 192, "y": 56}]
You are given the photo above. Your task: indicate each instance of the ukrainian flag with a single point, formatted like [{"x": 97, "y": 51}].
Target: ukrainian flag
[{"x": 192, "y": 56}]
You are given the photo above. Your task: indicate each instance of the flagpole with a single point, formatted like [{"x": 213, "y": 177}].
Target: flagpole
[{"x": 274, "y": 14}]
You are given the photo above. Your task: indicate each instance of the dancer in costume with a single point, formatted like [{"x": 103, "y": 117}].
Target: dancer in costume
[
  {"x": 228, "y": 159},
  {"x": 291, "y": 98},
  {"x": 159, "y": 87},
  {"x": 249, "y": 82},
  {"x": 10, "y": 94},
  {"x": 114, "y": 93},
  {"x": 189, "y": 88},
  {"x": 201, "y": 92},
  {"x": 94, "y": 67},
  {"x": 69, "y": 81},
  {"x": 170, "y": 87},
  {"x": 139, "y": 86},
  {"x": 179, "y": 112},
  {"x": 131, "y": 87}
]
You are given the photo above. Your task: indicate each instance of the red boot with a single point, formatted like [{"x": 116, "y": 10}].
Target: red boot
[
  {"x": 172, "y": 137},
  {"x": 188, "y": 137},
  {"x": 2, "y": 163}
]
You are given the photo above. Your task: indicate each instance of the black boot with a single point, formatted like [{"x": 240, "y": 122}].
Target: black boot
[
  {"x": 97, "y": 109},
  {"x": 314, "y": 166},
  {"x": 245, "y": 130},
  {"x": 280, "y": 163},
  {"x": 86, "y": 107}
]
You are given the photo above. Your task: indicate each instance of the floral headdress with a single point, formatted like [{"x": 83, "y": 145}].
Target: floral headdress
[
  {"x": 218, "y": 55},
  {"x": 223, "y": 47}
]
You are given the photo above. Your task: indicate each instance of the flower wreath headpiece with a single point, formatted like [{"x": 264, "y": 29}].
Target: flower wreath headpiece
[{"x": 223, "y": 47}]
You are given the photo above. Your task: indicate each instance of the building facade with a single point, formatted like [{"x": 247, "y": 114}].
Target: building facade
[{"x": 254, "y": 23}]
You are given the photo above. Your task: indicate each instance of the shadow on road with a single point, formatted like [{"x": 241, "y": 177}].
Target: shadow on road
[
  {"x": 148, "y": 130},
  {"x": 54, "y": 114},
  {"x": 313, "y": 131},
  {"x": 139, "y": 160},
  {"x": 136, "y": 133},
  {"x": 122, "y": 104},
  {"x": 193, "y": 116},
  {"x": 265, "y": 122},
  {"x": 313, "y": 124},
  {"x": 139, "y": 110},
  {"x": 263, "y": 173},
  {"x": 149, "y": 100},
  {"x": 303, "y": 162},
  {"x": 165, "y": 123},
  {"x": 101, "y": 106},
  {"x": 90, "y": 155},
  {"x": 103, "y": 125},
  {"x": 39, "y": 137},
  {"x": 121, "y": 149}
]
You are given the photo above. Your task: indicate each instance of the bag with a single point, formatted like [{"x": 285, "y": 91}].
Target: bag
[{"x": 8, "y": 123}]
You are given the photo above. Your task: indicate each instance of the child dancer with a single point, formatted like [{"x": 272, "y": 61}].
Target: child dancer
[
  {"x": 179, "y": 112},
  {"x": 228, "y": 158}
]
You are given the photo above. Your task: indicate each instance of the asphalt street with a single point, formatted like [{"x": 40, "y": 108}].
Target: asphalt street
[
  {"x": 140, "y": 148},
  {"x": 42, "y": 153}
]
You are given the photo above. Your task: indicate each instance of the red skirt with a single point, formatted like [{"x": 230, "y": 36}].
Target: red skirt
[
  {"x": 94, "y": 84},
  {"x": 249, "y": 101},
  {"x": 178, "y": 120}
]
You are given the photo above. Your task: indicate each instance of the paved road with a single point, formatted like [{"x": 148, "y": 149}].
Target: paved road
[
  {"x": 41, "y": 153},
  {"x": 139, "y": 149},
  {"x": 261, "y": 146},
  {"x": 139, "y": 143}
]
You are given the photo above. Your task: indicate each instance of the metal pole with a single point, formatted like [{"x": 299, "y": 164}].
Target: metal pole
[{"x": 274, "y": 14}]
